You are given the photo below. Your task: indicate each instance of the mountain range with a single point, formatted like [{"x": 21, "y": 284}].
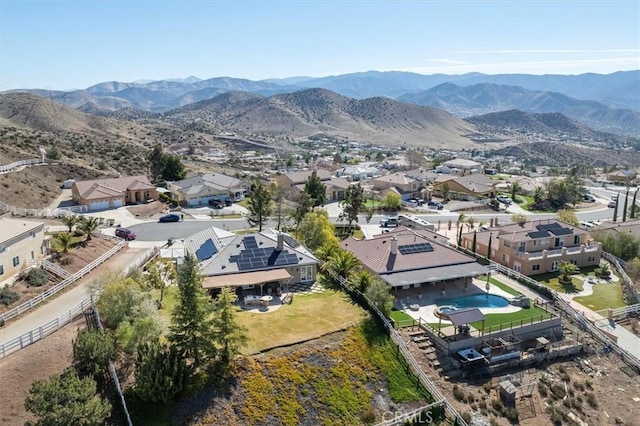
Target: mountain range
[{"x": 608, "y": 102}]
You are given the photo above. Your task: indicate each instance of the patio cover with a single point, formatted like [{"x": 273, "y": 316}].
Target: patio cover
[
  {"x": 248, "y": 278},
  {"x": 428, "y": 275},
  {"x": 465, "y": 316}
]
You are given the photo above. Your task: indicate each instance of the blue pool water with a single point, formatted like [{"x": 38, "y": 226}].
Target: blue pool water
[{"x": 475, "y": 301}]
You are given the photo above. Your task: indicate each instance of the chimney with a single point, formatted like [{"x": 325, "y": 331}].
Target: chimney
[
  {"x": 394, "y": 246},
  {"x": 280, "y": 244}
]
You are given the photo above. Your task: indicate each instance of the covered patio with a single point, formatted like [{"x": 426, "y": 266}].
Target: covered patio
[{"x": 272, "y": 282}]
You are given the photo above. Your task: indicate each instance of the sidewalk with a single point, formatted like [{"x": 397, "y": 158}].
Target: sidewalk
[{"x": 62, "y": 303}]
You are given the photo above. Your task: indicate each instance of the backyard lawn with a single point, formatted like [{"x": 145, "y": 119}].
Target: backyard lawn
[
  {"x": 521, "y": 315},
  {"x": 400, "y": 318},
  {"x": 604, "y": 296},
  {"x": 551, "y": 280},
  {"x": 502, "y": 286},
  {"x": 308, "y": 317}
]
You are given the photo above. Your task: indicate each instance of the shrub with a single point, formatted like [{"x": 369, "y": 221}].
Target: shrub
[
  {"x": 466, "y": 416},
  {"x": 543, "y": 389},
  {"x": 511, "y": 414},
  {"x": 470, "y": 398},
  {"x": 487, "y": 387},
  {"x": 591, "y": 400},
  {"x": 368, "y": 416},
  {"x": 458, "y": 393},
  {"x": 8, "y": 296},
  {"x": 92, "y": 351},
  {"x": 37, "y": 277}
]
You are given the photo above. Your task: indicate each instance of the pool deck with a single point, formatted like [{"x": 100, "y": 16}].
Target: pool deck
[{"x": 427, "y": 300}]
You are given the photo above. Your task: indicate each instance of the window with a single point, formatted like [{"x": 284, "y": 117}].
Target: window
[
  {"x": 521, "y": 247},
  {"x": 1, "y": 269},
  {"x": 517, "y": 267},
  {"x": 576, "y": 239},
  {"x": 32, "y": 234},
  {"x": 505, "y": 258},
  {"x": 591, "y": 259},
  {"x": 559, "y": 242},
  {"x": 506, "y": 243},
  {"x": 306, "y": 273},
  {"x": 16, "y": 261},
  {"x": 555, "y": 265},
  {"x": 535, "y": 267}
]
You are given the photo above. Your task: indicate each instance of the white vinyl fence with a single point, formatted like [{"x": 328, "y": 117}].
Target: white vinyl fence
[
  {"x": 44, "y": 330},
  {"x": 16, "y": 164}
]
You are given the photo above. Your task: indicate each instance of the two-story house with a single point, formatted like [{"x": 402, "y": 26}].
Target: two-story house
[
  {"x": 21, "y": 241},
  {"x": 536, "y": 247}
]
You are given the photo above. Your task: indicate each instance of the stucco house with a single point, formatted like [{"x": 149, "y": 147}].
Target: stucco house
[
  {"x": 21, "y": 241},
  {"x": 198, "y": 190},
  {"x": 102, "y": 194},
  {"x": 469, "y": 187},
  {"x": 406, "y": 258},
  {"x": 536, "y": 247},
  {"x": 265, "y": 262},
  {"x": 294, "y": 182},
  {"x": 406, "y": 186}
]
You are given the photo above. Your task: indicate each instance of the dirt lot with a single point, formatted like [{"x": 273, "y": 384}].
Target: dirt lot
[
  {"x": 595, "y": 388},
  {"x": 35, "y": 362}
]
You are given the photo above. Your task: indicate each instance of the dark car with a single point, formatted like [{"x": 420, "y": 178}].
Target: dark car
[
  {"x": 125, "y": 233},
  {"x": 170, "y": 218},
  {"x": 435, "y": 204},
  {"x": 216, "y": 204},
  {"x": 228, "y": 202}
]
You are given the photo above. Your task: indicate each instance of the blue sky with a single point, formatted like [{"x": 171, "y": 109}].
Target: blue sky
[{"x": 73, "y": 44}]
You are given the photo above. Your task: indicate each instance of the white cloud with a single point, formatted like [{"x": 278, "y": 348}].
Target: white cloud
[{"x": 545, "y": 51}]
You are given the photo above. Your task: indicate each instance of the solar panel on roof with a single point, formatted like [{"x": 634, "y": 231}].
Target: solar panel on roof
[
  {"x": 561, "y": 231},
  {"x": 548, "y": 226},
  {"x": 206, "y": 250},
  {"x": 250, "y": 242},
  {"x": 538, "y": 234},
  {"x": 291, "y": 242},
  {"x": 415, "y": 248}
]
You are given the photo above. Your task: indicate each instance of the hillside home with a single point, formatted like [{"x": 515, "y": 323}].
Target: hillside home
[
  {"x": 406, "y": 258},
  {"x": 536, "y": 247},
  {"x": 404, "y": 185},
  {"x": 102, "y": 194},
  {"x": 463, "y": 166},
  {"x": 198, "y": 190},
  {"x": 358, "y": 173},
  {"x": 631, "y": 226},
  {"x": 294, "y": 182},
  {"x": 621, "y": 176},
  {"x": 264, "y": 262},
  {"x": 469, "y": 187},
  {"x": 21, "y": 241}
]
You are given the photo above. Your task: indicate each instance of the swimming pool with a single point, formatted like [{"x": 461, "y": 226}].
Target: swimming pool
[{"x": 475, "y": 301}]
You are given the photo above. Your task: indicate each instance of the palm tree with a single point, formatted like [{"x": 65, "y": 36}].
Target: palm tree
[
  {"x": 88, "y": 225},
  {"x": 342, "y": 263},
  {"x": 566, "y": 269},
  {"x": 471, "y": 221},
  {"x": 362, "y": 280},
  {"x": 70, "y": 221},
  {"x": 62, "y": 242}
]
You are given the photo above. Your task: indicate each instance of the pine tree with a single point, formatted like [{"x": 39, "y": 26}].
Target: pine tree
[
  {"x": 474, "y": 241},
  {"x": 229, "y": 336},
  {"x": 161, "y": 372},
  {"x": 191, "y": 330},
  {"x": 316, "y": 189},
  {"x": 259, "y": 206},
  {"x": 156, "y": 162},
  {"x": 489, "y": 247},
  {"x": 353, "y": 204}
]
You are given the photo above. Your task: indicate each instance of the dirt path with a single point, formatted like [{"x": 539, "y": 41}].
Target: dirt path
[{"x": 36, "y": 362}]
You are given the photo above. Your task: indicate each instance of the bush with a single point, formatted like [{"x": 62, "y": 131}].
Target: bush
[
  {"x": 37, "y": 277},
  {"x": 511, "y": 414},
  {"x": 543, "y": 389},
  {"x": 458, "y": 393},
  {"x": 92, "y": 351},
  {"x": 8, "y": 296},
  {"x": 591, "y": 400}
]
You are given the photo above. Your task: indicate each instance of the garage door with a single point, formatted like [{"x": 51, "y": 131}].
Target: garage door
[
  {"x": 117, "y": 203},
  {"x": 98, "y": 205},
  {"x": 194, "y": 202}
]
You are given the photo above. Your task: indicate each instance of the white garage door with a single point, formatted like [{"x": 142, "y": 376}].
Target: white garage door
[
  {"x": 193, "y": 202},
  {"x": 98, "y": 205},
  {"x": 117, "y": 203}
]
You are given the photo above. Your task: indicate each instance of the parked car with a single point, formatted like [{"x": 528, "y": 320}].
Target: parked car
[
  {"x": 389, "y": 222},
  {"x": 126, "y": 234},
  {"x": 216, "y": 204},
  {"x": 171, "y": 217},
  {"x": 435, "y": 204},
  {"x": 228, "y": 202},
  {"x": 504, "y": 199},
  {"x": 611, "y": 205},
  {"x": 589, "y": 198}
]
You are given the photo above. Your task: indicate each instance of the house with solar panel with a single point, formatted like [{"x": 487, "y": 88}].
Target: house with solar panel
[
  {"x": 200, "y": 189},
  {"x": 409, "y": 259},
  {"x": 536, "y": 247},
  {"x": 264, "y": 263}
]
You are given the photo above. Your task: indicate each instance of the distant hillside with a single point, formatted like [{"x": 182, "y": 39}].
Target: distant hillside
[
  {"x": 563, "y": 155},
  {"x": 308, "y": 112},
  {"x": 485, "y": 98}
]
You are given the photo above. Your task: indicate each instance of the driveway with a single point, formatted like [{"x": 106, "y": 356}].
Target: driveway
[{"x": 156, "y": 231}]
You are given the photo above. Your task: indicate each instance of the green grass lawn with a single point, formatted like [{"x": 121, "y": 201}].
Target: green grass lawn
[
  {"x": 551, "y": 280},
  {"x": 604, "y": 296},
  {"x": 521, "y": 315},
  {"x": 308, "y": 317},
  {"x": 372, "y": 204},
  {"x": 400, "y": 318},
  {"x": 500, "y": 285}
]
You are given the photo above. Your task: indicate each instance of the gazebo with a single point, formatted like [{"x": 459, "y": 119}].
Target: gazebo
[{"x": 462, "y": 317}]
